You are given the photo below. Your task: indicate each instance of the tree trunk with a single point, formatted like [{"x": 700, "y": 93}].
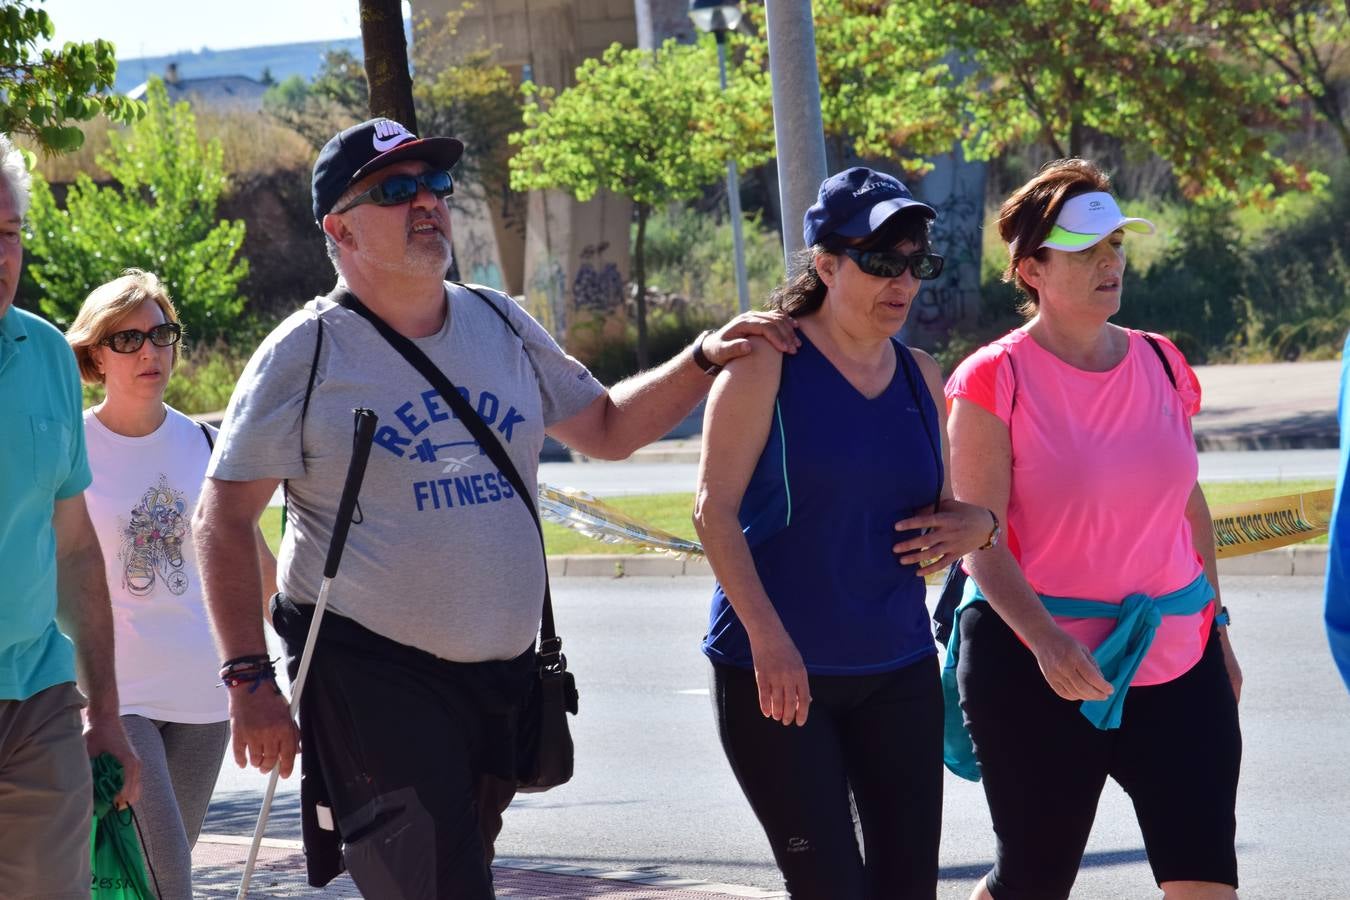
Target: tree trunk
[
  {"x": 1330, "y": 105},
  {"x": 386, "y": 53},
  {"x": 640, "y": 277},
  {"x": 1077, "y": 135}
]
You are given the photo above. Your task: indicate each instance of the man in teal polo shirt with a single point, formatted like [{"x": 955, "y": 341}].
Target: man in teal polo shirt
[{"x": 55, "y": 617}]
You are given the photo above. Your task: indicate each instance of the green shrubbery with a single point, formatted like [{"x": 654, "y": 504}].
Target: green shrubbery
[
  {"x": 689, "y": 253},
  {"x": 1233, "y": 287}
]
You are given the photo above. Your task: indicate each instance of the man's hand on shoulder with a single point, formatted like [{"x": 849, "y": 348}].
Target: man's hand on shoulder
[
  {"x": 261, "y": 728},
  {"x": 731, "y": 340}
]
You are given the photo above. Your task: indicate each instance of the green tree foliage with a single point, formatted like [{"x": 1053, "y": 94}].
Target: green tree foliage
[
  {"x": 319, "y": 109},
  {"x": 1054, "y": 70},
  {"x": 43, "y": 93},
  {"x": 882, "y": 81},
  {"x": 905, "y": 79},
  {"x": 1305, "y": 42},
  {"x": 653, "y": 126},
  {"x": 160, "y": 216}
]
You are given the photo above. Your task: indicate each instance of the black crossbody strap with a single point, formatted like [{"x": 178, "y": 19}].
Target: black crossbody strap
[
  {"x": 304, "y": 411},
  {"x": 901, "y": 352},
  {"x": 487, "y": 441},
  {"x": 495, "y": 308},
  {"x": 1162, "y": 357}
]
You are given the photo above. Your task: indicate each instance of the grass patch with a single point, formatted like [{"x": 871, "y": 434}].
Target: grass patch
[
  {"x": 671, "y": 512},
  {"x": 271, "y": 527}
]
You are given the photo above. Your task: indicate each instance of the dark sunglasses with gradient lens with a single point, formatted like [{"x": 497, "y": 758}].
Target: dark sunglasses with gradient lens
[
  {"x": 890, "y": 264},
  {"x": 398, "y": 189},
  {"x": 130, "y": 341}
]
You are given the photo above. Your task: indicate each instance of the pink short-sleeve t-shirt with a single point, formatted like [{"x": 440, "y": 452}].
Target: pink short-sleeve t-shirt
[{"x": 1102, "y": 466}]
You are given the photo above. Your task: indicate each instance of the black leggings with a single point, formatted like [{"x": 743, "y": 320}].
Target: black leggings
[
  {"x": 878, "y": 736},
  {"x": 1177, "y": 754}
]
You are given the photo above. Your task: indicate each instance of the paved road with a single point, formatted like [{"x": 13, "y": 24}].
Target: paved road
[{"x": 653, "y": 791}]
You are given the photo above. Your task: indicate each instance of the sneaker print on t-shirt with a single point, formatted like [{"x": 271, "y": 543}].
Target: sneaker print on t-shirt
[{"x": 152, "y": 541}]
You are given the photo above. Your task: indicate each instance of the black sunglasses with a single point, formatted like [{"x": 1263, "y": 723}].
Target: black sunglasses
[
  {"x": 889, "y": 264},
  {"x": 130, "y": 341},
  {"x": 398, "y": 189}
]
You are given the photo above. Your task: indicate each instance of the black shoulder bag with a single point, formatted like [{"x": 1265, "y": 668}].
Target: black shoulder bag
[
  {"x": 954, "y": 585},
  {"x": 544, "y": 752}
]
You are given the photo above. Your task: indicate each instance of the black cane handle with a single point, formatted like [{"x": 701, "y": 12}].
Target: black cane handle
[{"x": 364, "y": 435}]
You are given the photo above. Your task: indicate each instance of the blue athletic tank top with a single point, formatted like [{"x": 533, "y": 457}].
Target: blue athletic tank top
[{"x": 837, "y": 472}]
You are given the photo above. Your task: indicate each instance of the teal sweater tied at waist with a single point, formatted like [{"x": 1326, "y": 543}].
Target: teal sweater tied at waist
[{"x": 1119, "y": 656}]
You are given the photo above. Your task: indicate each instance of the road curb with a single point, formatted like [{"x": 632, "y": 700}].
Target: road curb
[
  {"x": 1301, "y": 559},
  {"x": 619, "y": 565},
  {"x": 1296, "y": 560}
]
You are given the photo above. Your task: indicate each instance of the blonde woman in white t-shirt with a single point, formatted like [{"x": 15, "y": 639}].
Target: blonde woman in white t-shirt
[{"x": 148, "y": 462}]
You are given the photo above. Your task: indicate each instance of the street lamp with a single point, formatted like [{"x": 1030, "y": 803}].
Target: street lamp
[{"x": 719, "y": 18}]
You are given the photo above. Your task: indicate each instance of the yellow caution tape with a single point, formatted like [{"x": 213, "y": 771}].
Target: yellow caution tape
[{"x": 1256, "y": 525}]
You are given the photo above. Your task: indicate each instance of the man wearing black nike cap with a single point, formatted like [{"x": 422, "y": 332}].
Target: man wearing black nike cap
[{"x": 426, "y": 649}]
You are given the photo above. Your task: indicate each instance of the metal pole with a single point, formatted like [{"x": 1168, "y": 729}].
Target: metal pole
[
  {"x": 734, "y": 194},
  {"x": 364, "y": 426},
  {"x": 797, "y": 129}
]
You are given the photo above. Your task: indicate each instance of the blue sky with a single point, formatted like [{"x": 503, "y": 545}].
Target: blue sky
[{"x": 163, "y": 27}]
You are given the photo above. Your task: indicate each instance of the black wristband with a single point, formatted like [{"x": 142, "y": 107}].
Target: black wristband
[
  {"x": 700, "y": 359},
  {"x": 251, "y": 658}
]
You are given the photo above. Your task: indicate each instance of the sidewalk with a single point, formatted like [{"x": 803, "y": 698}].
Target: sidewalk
[
  {"x": 218, "y": 863},
  {"x": 1268, "y": 406}
]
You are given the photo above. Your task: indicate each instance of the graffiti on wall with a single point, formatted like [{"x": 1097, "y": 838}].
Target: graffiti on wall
[
  {"x": 547, "y": 292},
  {"x": 476, "y": 253},
  {"x": 598, "y": 285},
  {"x": 954, "y": 298}
]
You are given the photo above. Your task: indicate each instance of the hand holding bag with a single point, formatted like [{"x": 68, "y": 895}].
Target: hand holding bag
[
  {"x": 544, "y": 751},
  {"x": 114, "y": 849}
]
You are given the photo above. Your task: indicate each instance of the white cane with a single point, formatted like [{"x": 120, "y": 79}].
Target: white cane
[{"x": 356, "y": 471}]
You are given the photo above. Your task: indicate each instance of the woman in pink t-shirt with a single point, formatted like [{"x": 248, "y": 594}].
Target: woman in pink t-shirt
[{"x": 1076, "y": 432}]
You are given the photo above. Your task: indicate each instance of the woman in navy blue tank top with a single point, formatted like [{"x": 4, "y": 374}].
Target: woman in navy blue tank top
[{"x": 816, "y": 505}]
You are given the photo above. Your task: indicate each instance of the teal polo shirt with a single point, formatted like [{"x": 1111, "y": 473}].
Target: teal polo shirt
[{"x": 42, "y": 460}]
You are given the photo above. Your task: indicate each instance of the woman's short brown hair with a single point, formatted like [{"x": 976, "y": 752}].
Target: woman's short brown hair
[
  {"x": 105, "y": 308},
  {"x": 1025, "y": 219}
]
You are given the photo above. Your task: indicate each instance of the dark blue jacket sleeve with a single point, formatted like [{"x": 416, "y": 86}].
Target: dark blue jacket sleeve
[{"x": 1338, "y": 559}]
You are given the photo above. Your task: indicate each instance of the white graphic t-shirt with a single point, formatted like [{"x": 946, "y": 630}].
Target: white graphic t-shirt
[{"x": 144, "y": 492}]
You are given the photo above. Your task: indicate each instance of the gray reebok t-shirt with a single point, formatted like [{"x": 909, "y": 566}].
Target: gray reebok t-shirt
[{"x": 445, "y": 557}]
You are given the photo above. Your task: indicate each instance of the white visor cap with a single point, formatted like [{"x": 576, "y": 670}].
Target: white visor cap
[{"x": 1088, "y": 218}]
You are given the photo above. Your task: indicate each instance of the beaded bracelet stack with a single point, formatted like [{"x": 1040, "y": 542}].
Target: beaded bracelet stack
[{"x": 252, "y": 670}]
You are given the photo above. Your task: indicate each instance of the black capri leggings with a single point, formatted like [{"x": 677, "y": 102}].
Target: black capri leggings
[
  {"x": 878, "y": 736},
  {"x": 1177, "y": 754}
]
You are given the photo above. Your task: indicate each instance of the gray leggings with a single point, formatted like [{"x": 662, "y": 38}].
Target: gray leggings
[{"x": 179, "y": 765}]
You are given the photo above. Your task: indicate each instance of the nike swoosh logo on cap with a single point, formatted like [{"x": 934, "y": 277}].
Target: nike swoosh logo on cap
[{"x": 389, "y": 143}]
